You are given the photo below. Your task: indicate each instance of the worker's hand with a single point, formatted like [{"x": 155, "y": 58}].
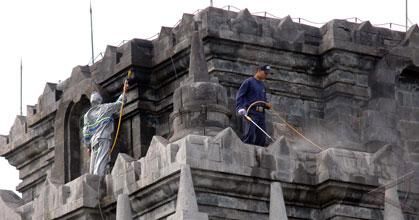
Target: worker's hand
[
  {"x": 89, "y": 150},
  {"x": 126, "y": 86},
  {"x": 268, "y": 106},
  {"x": 242, "y": 111}
]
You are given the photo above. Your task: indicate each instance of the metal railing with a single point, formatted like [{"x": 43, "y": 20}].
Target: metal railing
[{"x": 300, "y": 20}]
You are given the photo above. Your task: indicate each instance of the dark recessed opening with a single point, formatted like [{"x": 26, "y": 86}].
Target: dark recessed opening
[
  {"x": 118, "y": 57},
  {"x": 409, "y": 78}
]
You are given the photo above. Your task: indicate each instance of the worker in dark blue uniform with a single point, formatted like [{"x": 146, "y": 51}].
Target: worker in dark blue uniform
[{"x": 251, "y": 90}]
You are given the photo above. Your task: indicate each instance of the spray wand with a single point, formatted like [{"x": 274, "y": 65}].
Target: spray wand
[{"x": 121, "y": 111}]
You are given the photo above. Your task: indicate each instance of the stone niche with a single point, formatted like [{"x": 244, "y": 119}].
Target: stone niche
[
  {"x": 76, "y": 156},
  {"x": 408, "y": 79},
  {"x": 407, "y": 96}
]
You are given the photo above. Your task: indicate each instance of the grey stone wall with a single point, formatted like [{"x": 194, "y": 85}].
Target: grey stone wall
[{"x": 350, "y": 88}]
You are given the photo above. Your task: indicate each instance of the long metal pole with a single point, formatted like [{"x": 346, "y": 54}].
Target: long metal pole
[
  {"x": 407, "y": 17},
  {"x": 91, "y": 32},
  {"x": 21, "y": 87},
  {"x": 211, "y": 3},
  {"x": 253, "y": 122}
]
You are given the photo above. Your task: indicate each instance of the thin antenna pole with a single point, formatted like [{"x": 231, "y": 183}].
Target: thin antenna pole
[
  {"x": 91, "y": 32},
  {"x": 21, "y": 87},
  {"x": 406, "y": 14},
  {"x": 211, "y": 3}
]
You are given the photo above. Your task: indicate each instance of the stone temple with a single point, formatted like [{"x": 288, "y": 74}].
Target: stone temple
[{"x": 351, "y": 89}]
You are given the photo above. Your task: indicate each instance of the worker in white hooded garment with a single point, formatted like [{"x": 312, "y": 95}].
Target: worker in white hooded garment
[{"x": 98, "y": 128}]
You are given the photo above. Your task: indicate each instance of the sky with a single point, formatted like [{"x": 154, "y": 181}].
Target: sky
[{"x": 53, "y": 36}]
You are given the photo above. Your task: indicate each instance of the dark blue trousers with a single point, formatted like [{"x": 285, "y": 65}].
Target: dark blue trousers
[{"x": 252, "y": 134}]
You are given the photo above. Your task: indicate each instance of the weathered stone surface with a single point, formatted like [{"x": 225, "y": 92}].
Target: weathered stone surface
[
  {"x": 412, "y": 37},
  {"x": 198, "y": 105},
  {"x": 186, "y": 205},
  {"x": 351, "y": 89},
  {"x": 123, "y": 208},
  {"x": 289, "y": 31},
  {"x": 276, "y": 203},
  {"x": 367, "y": 35},
  {"x": 125, "y": 174},
  {"x": 9, "y": 203},
  {"x": 345, "y": 165},
  {"x": 18, "y": 129},
  {"x": 198, "y": 70},
  {"x": 392, "y": 208},
  {"x": 4, "y": 140},
  {"x": 60, "y": 201},
  {"x": 245, "y": 23}
]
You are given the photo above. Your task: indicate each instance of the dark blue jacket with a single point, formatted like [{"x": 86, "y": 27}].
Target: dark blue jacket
[{"x": 250, "y": 91}]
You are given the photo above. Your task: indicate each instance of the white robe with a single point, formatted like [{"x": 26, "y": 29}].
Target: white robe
[{"x": 98, "y": 127}]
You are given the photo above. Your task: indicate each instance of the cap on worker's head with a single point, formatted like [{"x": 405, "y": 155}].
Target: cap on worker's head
[
  {"x": 265, "y": 68},
  {"x": 95, "y": 99}
]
